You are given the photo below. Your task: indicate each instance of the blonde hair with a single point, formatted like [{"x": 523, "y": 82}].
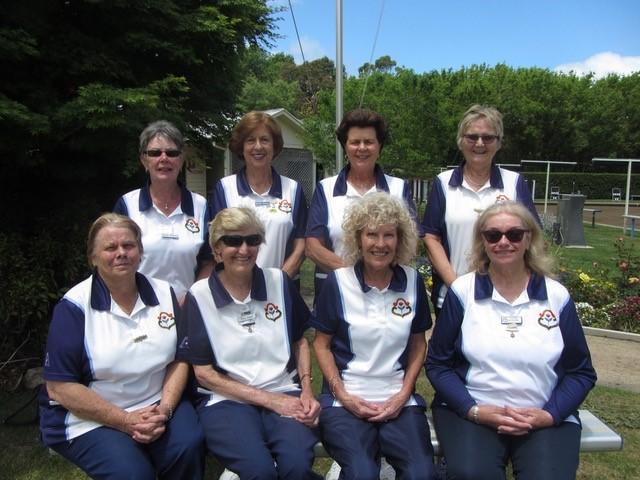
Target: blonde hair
[
  {"x": 536, "y": 258},
  {"x": 234, "y": 219},
  {"x": 477, "y": 112},
  {"x": 111, "y": 220},
  {"x": 373, "y": 211}
]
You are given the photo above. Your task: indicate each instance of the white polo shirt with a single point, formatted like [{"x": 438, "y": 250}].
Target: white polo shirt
[
  {"x": 174, "y": 245},
  {"x": 454, "y": 207},
  {"x": 528, "y": 353},
  {"x": 283, "y": 210},
  {"x": 123, "y": 358},
  {"x": 250, "y": 340},
  {"x": 334, "y": 195},
  {"x": 371, "y": 330}
]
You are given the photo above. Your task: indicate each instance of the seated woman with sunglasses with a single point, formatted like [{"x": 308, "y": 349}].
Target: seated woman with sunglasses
[
  {"x": 508, "y": 358},
  {"x": 459, "y": 195},
  {"x": 251, "y": 360},
  {"x": 173, "y": 220}
]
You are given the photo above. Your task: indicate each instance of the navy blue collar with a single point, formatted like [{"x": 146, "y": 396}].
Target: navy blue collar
[
  {"x": 186, "y": 204},
  {"x": 101, "y": 297},
  {"x": 244, "y": 189},
  {"x": 495, "y": 179},
  {"x": 536, "y": 289},
  {"x": 340, "y": 188},
  {"x": 222, "y": 298},
  {"x": 398, "y": 279}
]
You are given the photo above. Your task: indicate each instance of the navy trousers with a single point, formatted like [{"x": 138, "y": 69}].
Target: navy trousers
[
  {"x": 357, "y": 445},
  {"x": 105, "y": 453},
  {"x": 478, "y": 452}
]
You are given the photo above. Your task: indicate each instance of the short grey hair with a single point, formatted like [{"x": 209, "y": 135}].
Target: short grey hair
[
  {"x": 161, "y": 128},
  {"x": 477, "y": 112}
]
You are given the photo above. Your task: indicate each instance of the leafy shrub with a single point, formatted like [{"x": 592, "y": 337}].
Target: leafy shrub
[{"x": 625, "y": 315}]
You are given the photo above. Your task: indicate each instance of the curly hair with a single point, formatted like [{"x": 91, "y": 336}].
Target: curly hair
[
  {"x": 233, "y": 219},
  {"x": 362, "y": 117},
  {"x": 247, "y": 124},
  {"x": 477, "y": 112},
  {"x": 536, "y": 258},
  {"x": 373, "y": 211}
]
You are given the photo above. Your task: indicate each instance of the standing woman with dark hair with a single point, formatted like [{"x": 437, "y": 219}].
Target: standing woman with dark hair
[
  {"x": 362, "y": 134},
  {"x": 277, "y": 200},
  {"x": 173, "y": 220}
]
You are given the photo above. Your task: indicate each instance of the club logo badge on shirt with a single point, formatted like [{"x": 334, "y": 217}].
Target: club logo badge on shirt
[
  {"x": 166, "y": 320},
  {"x": 401, "y": 307},
  {"x": 284, "y": 206},
  {"x": 548, "y": 320},
  {"x": 192, "y": 225},
  {"x": 272, "y": 312}
]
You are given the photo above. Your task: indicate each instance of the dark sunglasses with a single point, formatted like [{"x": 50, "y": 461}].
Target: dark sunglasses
[
  {"x": 237, "y": 240},
  {"x": 486, "y": 139},
  {"x": 156, "y": 152},
  {"x": 514, "y": 235}
]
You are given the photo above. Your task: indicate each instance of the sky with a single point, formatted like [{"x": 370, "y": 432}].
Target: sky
[{"x": 601, "y": 36}]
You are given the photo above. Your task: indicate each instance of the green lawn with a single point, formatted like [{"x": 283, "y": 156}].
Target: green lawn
[{"x": 602, "y": 240}]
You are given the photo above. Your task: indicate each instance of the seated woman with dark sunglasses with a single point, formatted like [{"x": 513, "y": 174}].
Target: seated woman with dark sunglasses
[
  {"x": 508, "y": 358},
  {"x": 251, "y": 360}
]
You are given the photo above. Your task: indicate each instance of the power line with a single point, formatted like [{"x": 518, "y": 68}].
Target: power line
[
  {"x": 295, "y": 25},
  {"x": 373, "y": 48}
]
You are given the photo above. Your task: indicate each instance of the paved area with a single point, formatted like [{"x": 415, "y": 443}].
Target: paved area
[{"x": 617, "y": 362}]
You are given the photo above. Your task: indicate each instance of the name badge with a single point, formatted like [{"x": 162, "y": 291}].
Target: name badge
[
  {"x": 169, "y": 233},
  {"x": 262, "y": 203},
  {"x": 511, "y": 322},
  {"x": 247, "y": 319}
]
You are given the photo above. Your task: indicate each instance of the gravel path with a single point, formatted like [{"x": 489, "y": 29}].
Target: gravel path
[{"x": 617, "y": 362}]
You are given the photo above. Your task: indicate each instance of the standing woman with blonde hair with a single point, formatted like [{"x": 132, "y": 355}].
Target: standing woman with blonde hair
[{"x": 458, "y": 196}]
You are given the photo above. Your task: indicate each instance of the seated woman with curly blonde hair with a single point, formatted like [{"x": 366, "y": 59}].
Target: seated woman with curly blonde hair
[{"x": 370, "y": 322}]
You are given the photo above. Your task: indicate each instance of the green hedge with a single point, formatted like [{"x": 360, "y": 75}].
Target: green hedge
[{"x": 593, "y": 185}]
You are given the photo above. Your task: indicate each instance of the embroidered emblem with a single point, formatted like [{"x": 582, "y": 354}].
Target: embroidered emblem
[
  {"x": 192, "y": 225},
  {"x": 272, "y": 312},
  {"x": 284, "y": 206},
  {"x": 502, "y": 198},
  {"x": 184, "y": 344},
  {"x": 401, "y": 307},
  {"x": 548, "y": 320},
  {"x": 166, "y": 320}
]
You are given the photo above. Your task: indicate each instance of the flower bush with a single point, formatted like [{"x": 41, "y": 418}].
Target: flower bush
[
  {"x": 608, "y": 298},
  {"x": 625, "y": 314}
]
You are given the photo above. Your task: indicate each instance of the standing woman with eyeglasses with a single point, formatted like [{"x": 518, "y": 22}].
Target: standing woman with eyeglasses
[
  {"x": 508, "y": 358},
  {"x": 459, "y": 195},
  {"x": 173, "y": 219}
]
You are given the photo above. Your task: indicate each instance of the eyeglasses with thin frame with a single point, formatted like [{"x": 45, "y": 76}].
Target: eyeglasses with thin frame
[
  {"x": 252, "y": 240},
  {"x": 156, "y": 152},
  {"x": 473, "y": 138},
  {"x": 514, "y": 235}
]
